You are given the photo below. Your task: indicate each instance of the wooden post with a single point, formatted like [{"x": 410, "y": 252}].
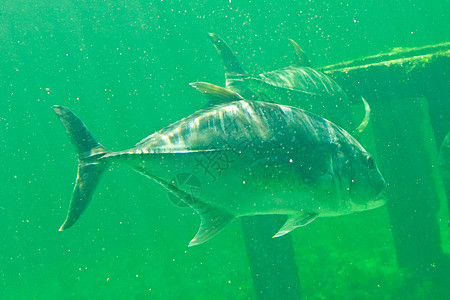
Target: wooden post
[
  {"x": 271, "y": 260},
  {"x": 395, "y": 85},
  {"x": 407, "y": 165}
]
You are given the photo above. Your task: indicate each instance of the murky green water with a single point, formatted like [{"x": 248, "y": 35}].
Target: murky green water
[{"x": 125, "y": 67}]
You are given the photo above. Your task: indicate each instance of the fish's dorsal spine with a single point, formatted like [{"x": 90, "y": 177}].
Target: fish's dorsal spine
[
  {"x": 230, "y": 61},
  {"x": 302, "y": 59}
]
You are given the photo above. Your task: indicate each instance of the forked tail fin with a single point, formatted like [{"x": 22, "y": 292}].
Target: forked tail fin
[
  {"x": 90, "y": 167},
  {"x": 366, "y": 119},
  {"x": 232, "y": 65}
]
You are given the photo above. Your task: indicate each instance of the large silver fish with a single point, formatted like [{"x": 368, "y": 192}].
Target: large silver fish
[
  {"x": 247, "y": 158},
  {"x": 297, "y": 85}
]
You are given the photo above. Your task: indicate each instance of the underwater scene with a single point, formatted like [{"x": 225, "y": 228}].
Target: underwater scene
[{"x": 224, "y": 149}]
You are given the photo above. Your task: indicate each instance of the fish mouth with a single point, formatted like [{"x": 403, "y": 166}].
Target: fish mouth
[
  {"x": 373, "y": 203},
  {"x": 379, "y": 200}
]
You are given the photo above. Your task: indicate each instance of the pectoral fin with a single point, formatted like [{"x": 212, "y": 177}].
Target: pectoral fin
[
  {"x": 295, "y": 221},
  {"x": 214, "y": 219}
]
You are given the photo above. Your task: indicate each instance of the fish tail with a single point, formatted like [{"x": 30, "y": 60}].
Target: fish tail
[
  {"x": 366, "y": 119},
  {"x": 90, "y": 165},
  {"x": 232, "y": 65}
]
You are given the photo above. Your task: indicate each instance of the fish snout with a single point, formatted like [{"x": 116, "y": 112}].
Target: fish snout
[
  {"x": 380, "y": 199},
  {"x": 380, "y": 191},
  {"x": 382, "y": 185}
]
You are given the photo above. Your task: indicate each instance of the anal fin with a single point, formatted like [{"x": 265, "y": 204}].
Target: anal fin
[
  {"x": 295, "y": 221},
  {"x": 213, "y": 220}
]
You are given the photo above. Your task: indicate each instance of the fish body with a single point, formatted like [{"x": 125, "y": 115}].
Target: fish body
[
  {"x": 249, "y": 158},
  {"x": 297, "y": 85}
]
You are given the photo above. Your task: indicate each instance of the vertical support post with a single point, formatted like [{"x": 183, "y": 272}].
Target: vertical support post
[
  {"x": 272, "y": 261},
  {"x": 439, "y": 109},
  {"x": 407, "y": 166}
]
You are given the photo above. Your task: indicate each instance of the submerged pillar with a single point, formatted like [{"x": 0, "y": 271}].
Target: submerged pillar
[
  {"x": 438, "y": 96},
  {"x": 272, "y": 261},
  {"x": 406, "y": 162},
  {"x": 396, "y": 85}
]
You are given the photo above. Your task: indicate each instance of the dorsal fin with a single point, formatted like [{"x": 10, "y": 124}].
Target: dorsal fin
[
  {"x": 302, "y": 59},
  {"x": 230, "y": 61},
  {"x": 216, "y": 94}
]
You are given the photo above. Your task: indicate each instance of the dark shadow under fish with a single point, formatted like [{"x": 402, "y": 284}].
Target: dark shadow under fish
[{"x": 248, "y": 158}]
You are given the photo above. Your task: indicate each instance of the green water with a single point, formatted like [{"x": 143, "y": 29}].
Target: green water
[{"x": 124, "y": 68}]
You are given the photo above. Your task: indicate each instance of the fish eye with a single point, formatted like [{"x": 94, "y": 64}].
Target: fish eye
[{"x": 370, "y": 162}]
